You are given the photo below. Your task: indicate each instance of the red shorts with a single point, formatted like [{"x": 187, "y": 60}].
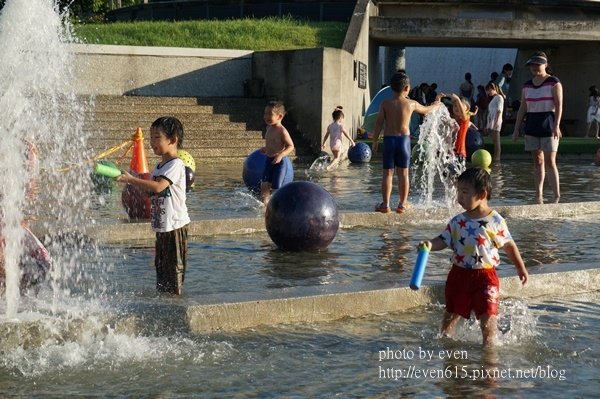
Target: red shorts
[{"x": 475, "y": 290}]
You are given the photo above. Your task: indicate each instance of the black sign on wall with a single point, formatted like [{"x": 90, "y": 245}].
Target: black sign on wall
[{"x": 361, "y": 74}]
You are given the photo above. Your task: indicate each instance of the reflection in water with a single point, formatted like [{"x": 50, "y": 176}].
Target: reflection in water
[
  {"x": 542, "y": 242},
  {"x": 498, "y": 179},
  {"x": 396, "y": 253},
  {"x": 468, "y": 370},
  {"x": 313, "y": 268}
]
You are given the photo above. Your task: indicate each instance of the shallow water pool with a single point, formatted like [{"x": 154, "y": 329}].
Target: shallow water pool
[
  {"x": 548, "y": 348},
  {"x": 252, "y": 263},
  {"x": 220, "y": 191},
  {"x": 84, "y": 344}
]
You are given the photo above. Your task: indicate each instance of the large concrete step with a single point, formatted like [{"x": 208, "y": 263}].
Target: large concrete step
[
  {"x": 196, "y": 143},
  {"x": 108, "y": 125},
  {"x": 189, "y": 134},
  {"x": 247, "y": 107},
  {"x": 207, "y": 101},
  {"x": 147, "y": 116},
  {"x": 217, "y": 130},
  {"x": 151, "y": 111}
]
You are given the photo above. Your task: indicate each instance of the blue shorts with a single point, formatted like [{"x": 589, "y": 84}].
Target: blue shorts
[
  {"x": 396, "y": 152},
  {"x": 274, "y": 173}
]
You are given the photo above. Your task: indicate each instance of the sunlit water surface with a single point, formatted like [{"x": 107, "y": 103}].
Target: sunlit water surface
[
  {"x": 548, "y": 348},
  {"x": 220, "y": 192},
  {"x": 74, "y": 338}
]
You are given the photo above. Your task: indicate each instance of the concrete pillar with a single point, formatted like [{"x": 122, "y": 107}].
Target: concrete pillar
[
  {"x": 392, "y": 59},
  {"x": 397, "y": 59},
  {"x": 375, "y": 71}
]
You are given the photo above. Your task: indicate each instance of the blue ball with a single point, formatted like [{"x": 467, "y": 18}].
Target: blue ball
[
  {"x": 302, "y": 216},
  {"x": 361, "y": 152},
  {"x": 190, "y": 177},
  {"x": 253, "y": 169},
  {"x": 473, "y": 142}
]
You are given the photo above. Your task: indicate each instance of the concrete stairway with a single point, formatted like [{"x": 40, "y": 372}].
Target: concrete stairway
[{"x": 223, "y": 130}]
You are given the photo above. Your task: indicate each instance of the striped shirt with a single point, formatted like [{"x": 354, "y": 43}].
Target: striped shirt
[{"x": 540, "y": 98}]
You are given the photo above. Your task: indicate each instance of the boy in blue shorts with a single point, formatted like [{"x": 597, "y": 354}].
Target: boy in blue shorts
[
  {"x": 475, "y": 237},
  {"x": 394, "y": 117},
  {"x": 278, "y": 144}
]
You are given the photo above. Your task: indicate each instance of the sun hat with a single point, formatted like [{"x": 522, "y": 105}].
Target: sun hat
[{"x": 537, "y": 59}]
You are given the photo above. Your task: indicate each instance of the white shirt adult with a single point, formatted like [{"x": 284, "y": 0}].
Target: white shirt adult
[{"x": 495, "y": 110}]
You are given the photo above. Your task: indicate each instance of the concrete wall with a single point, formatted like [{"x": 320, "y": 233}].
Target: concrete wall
[
  {"x": 161, "y": 71},
  {"x": 294, "y": 77},
  {"x": 313, "y": 82}
]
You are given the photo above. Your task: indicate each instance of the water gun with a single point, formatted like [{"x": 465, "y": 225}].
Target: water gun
[
  {"x": 107, "y": 170},
  {"x": 419, "y": 270}
]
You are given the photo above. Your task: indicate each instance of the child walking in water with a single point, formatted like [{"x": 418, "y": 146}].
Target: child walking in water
[
  {"x": 475, "y": 237},
  {"x": 278, "y": 144},
  {"x": 394, "y": 117},
  {"x": 335, "y": 133},
  {"x": 169, "y": 214}
]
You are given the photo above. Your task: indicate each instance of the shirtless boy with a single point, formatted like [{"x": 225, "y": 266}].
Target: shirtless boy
[
  {"x": 278, "y": 144},
  {"x": 395, "y": 114}
]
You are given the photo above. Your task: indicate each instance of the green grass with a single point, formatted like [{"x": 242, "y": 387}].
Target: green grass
[{"x": 240, "y": 34}]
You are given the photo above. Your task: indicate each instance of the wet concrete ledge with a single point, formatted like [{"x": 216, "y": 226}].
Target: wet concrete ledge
[
  {"x": 125, "y": 232},
  {"x": 226, "y": 312},
  {"x": 237, "y": 311}
]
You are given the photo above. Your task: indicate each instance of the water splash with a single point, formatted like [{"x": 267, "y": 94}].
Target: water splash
[
  {"x": 433, "y": 158},
  {"x": 516, "y": 323},
  {"x": 40, "y": 106},
  {"x": 319, "y": 165}
]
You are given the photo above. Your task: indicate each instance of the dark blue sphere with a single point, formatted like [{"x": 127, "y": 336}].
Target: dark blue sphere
[
  {"x": 360, "y": 153},
  {"x": 190, "y": 177},
  {"x": 253, "y": 169},
  {"x": 302, "y": 216},
  {"x": 473, "y": 142}
]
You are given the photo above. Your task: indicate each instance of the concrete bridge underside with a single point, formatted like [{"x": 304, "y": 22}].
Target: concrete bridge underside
[{"x": 569, "y": 32}]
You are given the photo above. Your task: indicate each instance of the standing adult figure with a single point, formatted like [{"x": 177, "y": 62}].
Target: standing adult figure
[
  {"x": 493, "y": 124},
  {"x": 467, "y": 89},
  {"x": 503, "y": 80},
  {"x": 541, "y": 106},
  {"x": 593, "y": 112}
]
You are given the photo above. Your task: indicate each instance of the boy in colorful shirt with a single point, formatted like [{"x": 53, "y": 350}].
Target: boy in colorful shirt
[{"x": 475, "y": 237}]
